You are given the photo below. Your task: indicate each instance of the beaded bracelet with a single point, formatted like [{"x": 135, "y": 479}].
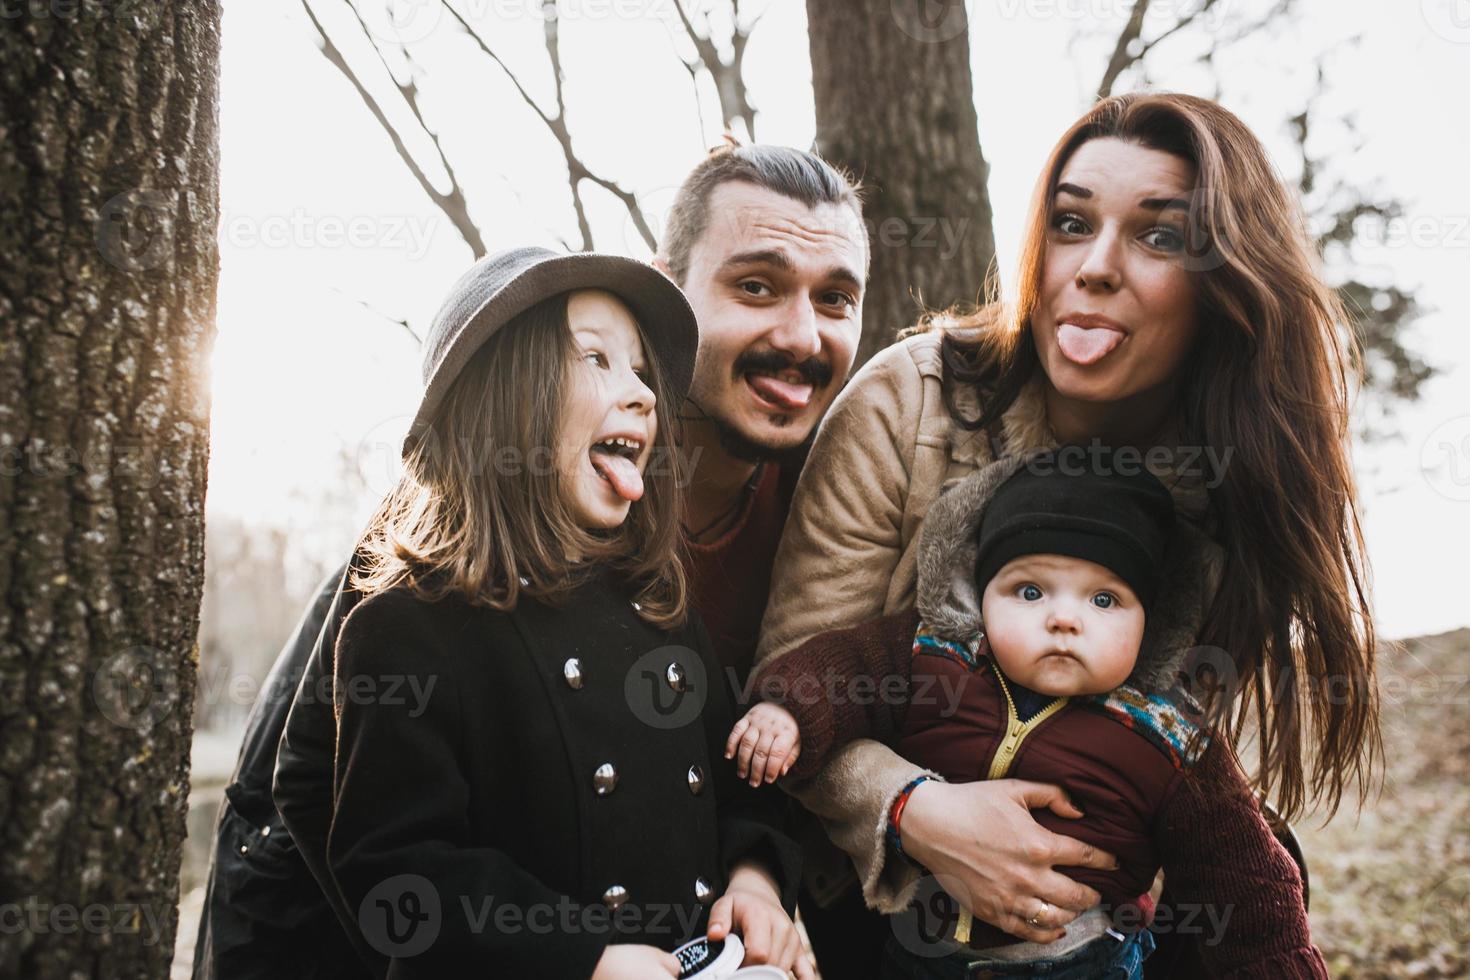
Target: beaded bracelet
[{"x": 895, "y": 813}]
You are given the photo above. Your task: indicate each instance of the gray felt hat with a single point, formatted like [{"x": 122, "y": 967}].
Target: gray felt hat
[{"x": 505, "y": 284}]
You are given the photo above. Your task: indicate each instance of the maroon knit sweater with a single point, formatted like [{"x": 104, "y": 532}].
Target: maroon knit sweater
[{"x": 1204, "y": 828}]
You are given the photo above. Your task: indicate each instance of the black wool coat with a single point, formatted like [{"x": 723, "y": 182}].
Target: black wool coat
[{"x": 514, "y": 791}]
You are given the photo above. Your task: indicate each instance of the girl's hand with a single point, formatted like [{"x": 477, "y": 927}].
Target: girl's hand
[
  {"x": 768, "y": 740},
  {"x": 751, "y": 906},
  {"x": 634, "y": 962}
]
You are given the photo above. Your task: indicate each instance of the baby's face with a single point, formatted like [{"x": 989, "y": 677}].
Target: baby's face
[{"x": 1062, "y": 626}]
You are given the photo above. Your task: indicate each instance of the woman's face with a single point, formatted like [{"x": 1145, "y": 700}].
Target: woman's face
[
  {"x": 608, "y": 423},
  {"x": 1116, "y": 312}
]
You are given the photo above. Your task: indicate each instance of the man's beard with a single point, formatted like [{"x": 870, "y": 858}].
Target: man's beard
[
  {"x": 741, "y": 446},
  {"x": 744, "y": 448}
]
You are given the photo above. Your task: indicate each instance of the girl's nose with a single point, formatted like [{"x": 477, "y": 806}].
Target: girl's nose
[{"x": 637, "y": 395}]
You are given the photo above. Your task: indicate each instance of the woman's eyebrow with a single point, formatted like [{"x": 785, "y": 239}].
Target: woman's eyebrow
[{"x": 1073, "y": 189}]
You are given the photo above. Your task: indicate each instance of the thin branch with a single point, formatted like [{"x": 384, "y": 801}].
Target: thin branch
[
  {"x": 453, "y": 204},
  {"x": 728, "y": 75},
  {"x": 396, "y": 321}
]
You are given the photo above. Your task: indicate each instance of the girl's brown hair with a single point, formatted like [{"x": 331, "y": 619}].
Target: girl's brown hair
[
  {"x": 1268, "y": 379},
  {"x": 481, "y": 511}
]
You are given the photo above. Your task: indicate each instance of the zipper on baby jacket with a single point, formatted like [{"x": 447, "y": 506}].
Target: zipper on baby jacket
[{"x": 1005, "y": 757}]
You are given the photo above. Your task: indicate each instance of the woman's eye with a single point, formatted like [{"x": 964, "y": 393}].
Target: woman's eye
[
  {"x": 1069, "y": 224},
  {"x": 1030, "y": 593},
  {"x": 1104, "y": 600},
  {"x": 1164, "y": 239}
]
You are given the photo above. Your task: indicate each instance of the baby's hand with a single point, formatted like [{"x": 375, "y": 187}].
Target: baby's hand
[{"x": 768, "y": 740}]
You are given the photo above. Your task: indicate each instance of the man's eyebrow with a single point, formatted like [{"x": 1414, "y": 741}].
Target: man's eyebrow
[
  {"x": 842, "y": 274},
  {"x": 762, "y": 256}
]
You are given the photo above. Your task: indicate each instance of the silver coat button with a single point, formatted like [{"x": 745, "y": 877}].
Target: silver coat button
[
  {"x": 696, "y": 779},
  {"x": 524, "y": 581},
  {"x": 605, "y": 779},
  {"x": 674, "y": 674},
  {"x": 637, "y": 607},
  {"x": 265, "y": 831},
  {"x": 572, "y": 671},
  {"x": 615, "y": 896},
  {"x": 703, "y": 893}
]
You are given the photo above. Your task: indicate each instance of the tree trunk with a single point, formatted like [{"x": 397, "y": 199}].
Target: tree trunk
[
  {"x": 895, "y": 105},
  {"x": 109, "y": 199}
]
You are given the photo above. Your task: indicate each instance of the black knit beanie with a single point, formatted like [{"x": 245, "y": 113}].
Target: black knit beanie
[{"x": 1087, "y": 504}]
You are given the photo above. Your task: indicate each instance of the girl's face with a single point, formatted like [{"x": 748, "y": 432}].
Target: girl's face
[
  {"x": 1115, "y": 317},
  {"x": 608, "y": 422},
  {"x": 1062, "y": 626}
]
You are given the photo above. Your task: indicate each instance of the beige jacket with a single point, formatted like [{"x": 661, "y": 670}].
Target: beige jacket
[{"x": 849, "y": 554}]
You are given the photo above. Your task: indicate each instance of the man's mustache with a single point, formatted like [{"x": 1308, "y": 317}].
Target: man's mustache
[{"x": 812, "y": 371}]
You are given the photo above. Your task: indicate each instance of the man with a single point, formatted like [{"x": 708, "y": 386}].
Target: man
[{"x": 769, "y": 246}]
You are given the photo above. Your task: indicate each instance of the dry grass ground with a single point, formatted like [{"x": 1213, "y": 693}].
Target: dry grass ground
[{"x": 1391, "y": 885}]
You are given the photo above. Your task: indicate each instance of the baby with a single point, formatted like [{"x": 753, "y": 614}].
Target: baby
[{"x": 1035, "y": 584}]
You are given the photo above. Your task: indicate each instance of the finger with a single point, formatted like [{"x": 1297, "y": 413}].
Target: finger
[
  {"x": 760, "y": 755},
  {"x": 1019, "y": 927},
  {"x": 669, "y": 962},
  {"x": 1064, "y": 893},
  {"x": 735, "y": 733},
  {"x": 747, "y": 749},
  {"x": 1037, "y": 796},
  {"x": 1072, "y": 853},
  {"x": 804, "y": 969},
  {"x": 781, "y": 752},
  {"x": 720, "y": 916},
  {"x": 757, "y": 937}
]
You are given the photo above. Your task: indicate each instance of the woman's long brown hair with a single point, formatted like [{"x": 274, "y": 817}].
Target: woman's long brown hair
[
  {"x": 1269, "y": 381},
  {"x": 481, "y": 506}
]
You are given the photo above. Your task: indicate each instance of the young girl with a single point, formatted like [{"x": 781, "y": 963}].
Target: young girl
[
  {"x": 527, "y": 780},
  {"x": 1055, "y": 611}
]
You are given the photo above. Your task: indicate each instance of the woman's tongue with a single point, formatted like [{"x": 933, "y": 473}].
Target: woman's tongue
[
  {"x": 1086, "y": 345},
  {"x": 786, "y": 394},
  {"x": 620, "y": 472}
]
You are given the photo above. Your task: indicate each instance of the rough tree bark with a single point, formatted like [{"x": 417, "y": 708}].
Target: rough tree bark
[
  {"x": 108, "y": 213},
  {"x": 895, "y": 105}
]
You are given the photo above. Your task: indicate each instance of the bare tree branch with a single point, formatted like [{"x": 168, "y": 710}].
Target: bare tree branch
[
  {"x": 452, "y": 204},
  {"x": 728, "y": 76},
  {"x": 577, "y": 170}
]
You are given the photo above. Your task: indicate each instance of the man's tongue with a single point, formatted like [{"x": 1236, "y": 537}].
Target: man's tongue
[
  {"x": 778, "y": 392},
  {"x": 1086, "y": 345},
  {"x": 619, "y": 471}
]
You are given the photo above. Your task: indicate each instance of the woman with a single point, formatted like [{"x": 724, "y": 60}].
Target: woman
[{"x": 1168, "y": 300}]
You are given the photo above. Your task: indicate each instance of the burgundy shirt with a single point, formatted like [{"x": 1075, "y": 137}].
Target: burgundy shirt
[{"x": 730, "y": 577}]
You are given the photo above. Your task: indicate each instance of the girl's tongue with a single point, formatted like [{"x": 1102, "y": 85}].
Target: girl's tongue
[
  {"x": 621, "y": 472},
  {"x": 1086, "y": 345}
]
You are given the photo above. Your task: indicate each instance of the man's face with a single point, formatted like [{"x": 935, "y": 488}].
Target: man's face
[{"x": 777, "y": 288}]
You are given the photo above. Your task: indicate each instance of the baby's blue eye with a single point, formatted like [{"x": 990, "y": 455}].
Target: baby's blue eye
[
  {"x": 1030, "y": 593},
  {"x": 1104, "y": 600}
]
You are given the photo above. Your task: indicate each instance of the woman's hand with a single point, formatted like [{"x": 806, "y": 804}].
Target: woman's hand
[
  {"x": 634, "y": 962},
  {"x": 992, "y": 856},
  {"x": 768, "y": 741},
  {"x": 751, "y": 906}
]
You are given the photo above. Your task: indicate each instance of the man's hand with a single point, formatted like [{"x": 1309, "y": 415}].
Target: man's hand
[
  {"x": 751, "y": 906},
  {"x": 981, "y": 841},
  {"x": 768, "y": 742}
]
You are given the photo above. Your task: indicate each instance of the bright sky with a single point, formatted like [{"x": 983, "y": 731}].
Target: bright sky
[{"x": 322, "y": 225}]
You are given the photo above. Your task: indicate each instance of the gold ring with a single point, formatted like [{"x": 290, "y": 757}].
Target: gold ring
[{"x": 1035, "y": 921}]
